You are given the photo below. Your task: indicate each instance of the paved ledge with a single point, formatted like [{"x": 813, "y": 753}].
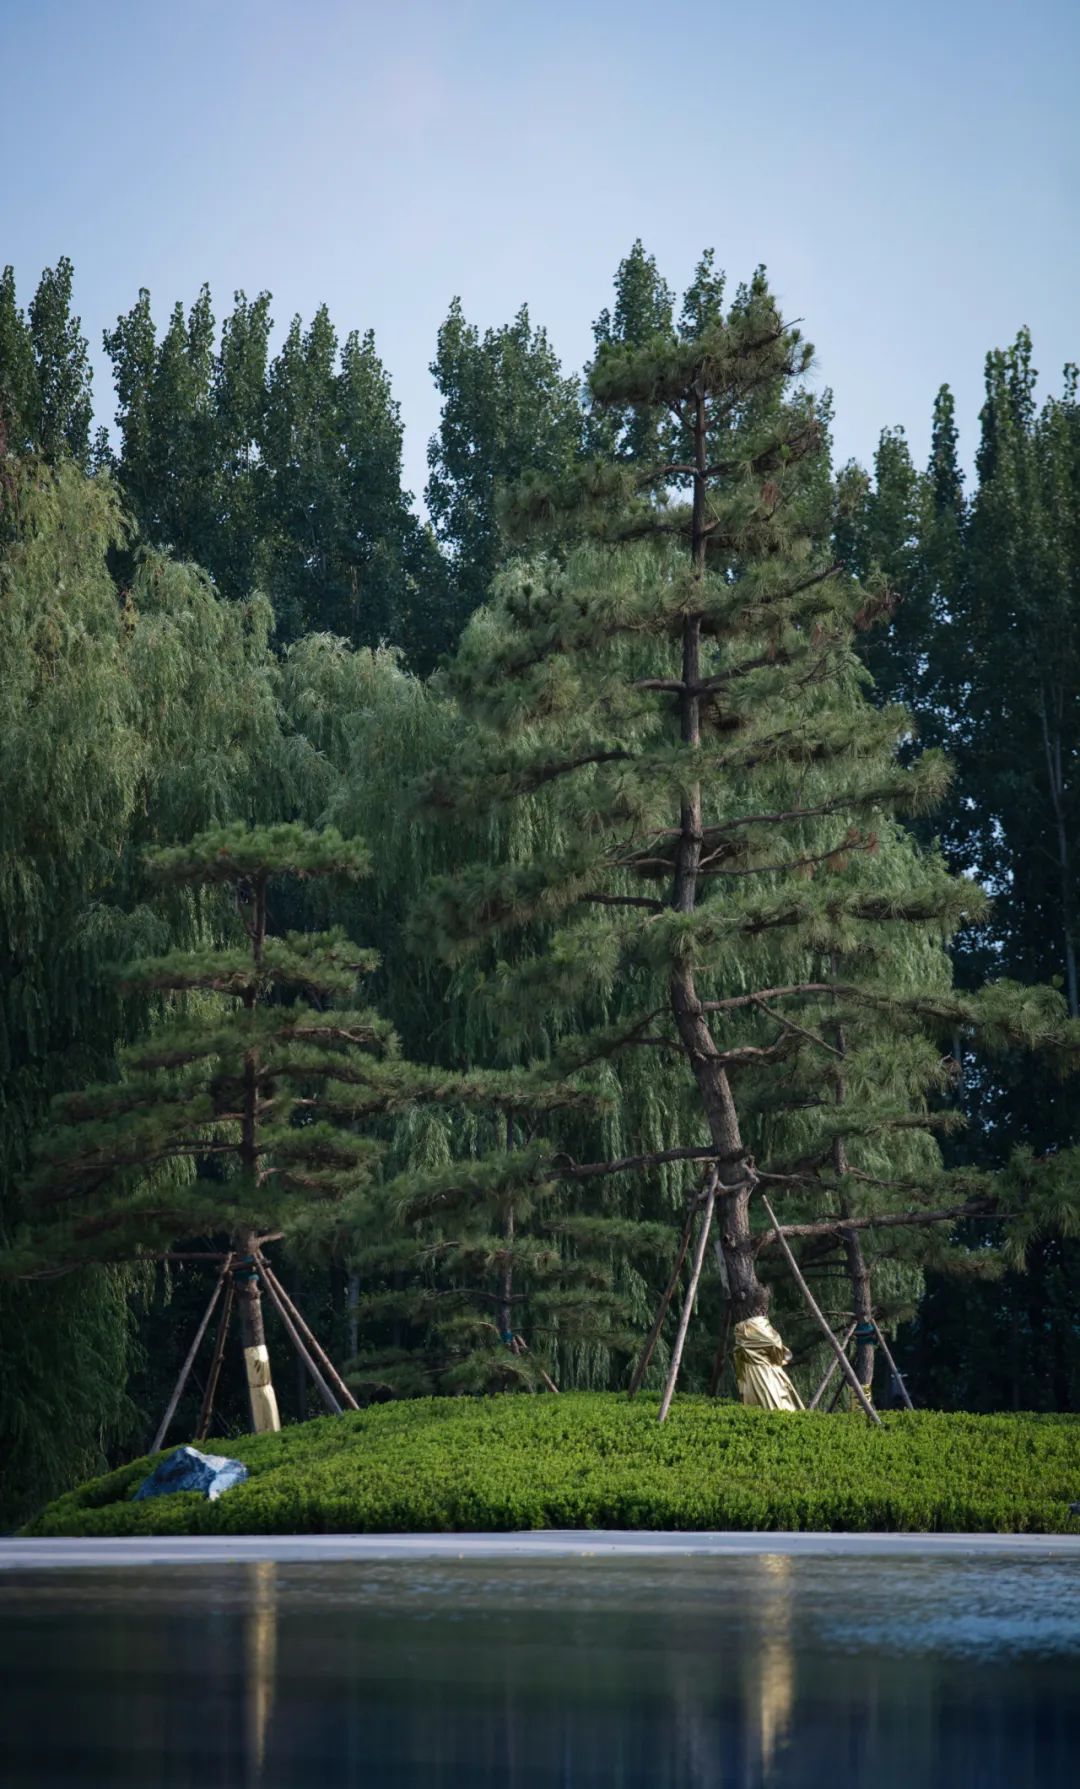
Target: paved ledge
[{"x": 316, "y": 1549}]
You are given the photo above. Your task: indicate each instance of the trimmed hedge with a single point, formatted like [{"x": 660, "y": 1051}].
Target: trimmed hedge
[{"x": 595, "y": 1460}]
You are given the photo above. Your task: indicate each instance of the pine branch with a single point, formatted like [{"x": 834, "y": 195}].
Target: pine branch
[
  {"x": 882, "y": 1221},
  {"x": 568, "y": 1169}
]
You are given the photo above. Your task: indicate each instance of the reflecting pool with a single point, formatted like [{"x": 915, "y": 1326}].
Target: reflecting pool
[{"x": 724, "y": 1673}]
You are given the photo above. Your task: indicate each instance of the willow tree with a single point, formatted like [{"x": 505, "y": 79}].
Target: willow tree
[
  {"x": 686, "y": 680},
  {"x": 131, "y": 717}
]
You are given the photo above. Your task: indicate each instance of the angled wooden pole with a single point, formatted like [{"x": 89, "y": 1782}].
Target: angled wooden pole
[
  {"x": 546, "y": 1377},
  {"x": 341, "y": 1390},
  {"x": 691, "y": 1295},
  {"x": 170, "y": 1410},
  {"x": 822, "y": 1321},
  {"x": 293, "y": 1334},
  {"x": 658, "y": 1321},
  {"x": 215, "y": 1367},
  {"x": 897, "y": 1375},
  {"x": 830, "y": 1370}
]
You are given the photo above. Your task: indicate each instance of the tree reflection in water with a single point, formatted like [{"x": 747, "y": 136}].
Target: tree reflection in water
[{"x": 759, "y": 1671}]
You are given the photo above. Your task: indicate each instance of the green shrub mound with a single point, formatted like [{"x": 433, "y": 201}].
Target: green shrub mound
[{"x": 592, "y": 1460}]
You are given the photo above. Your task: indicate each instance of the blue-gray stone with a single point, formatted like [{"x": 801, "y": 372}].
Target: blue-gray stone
[{"x": 186, "y": 1469}]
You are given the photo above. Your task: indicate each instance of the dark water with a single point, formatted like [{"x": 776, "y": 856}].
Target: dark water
[{"x": 725, "y": 1673}]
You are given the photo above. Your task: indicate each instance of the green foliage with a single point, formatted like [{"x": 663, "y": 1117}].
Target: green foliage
[
  {"x": 580, "y": 1461},
  {"x": 241, "y": 1105},
  {"x": 687, "y": 696},
  {"x": 45, "y": 382},
  {"x": 642, "y": 311},
  {"x": 983, "y": 642},
  {"x": 130, "y": 716},
  {"x": 144, "y": 705},
  {"x": 282, "y": 474},
  {"x": 507, "y": 410}
]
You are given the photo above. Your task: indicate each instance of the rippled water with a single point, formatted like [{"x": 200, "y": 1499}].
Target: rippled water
[{"x": 726, "y": 1673}]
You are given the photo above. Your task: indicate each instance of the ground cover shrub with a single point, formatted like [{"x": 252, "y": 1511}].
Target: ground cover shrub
[{"x": 595, "y": 1460}]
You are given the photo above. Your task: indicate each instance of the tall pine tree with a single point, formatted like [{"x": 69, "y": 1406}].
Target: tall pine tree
[{"x": 690, "y": 686}]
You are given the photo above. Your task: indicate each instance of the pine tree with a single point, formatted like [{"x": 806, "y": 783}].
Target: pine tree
[
  {"x": 235, "y": 1116},
  {"x": 691, "y": 688}
]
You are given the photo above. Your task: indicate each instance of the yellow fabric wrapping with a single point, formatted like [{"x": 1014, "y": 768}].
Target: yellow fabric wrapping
[{"x": 760, "y": 1359}]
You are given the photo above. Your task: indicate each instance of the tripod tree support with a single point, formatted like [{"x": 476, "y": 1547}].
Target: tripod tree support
[
  {"x": 691, "y": 1295},
  {"x": 333, "y": 1377},
  {"x": 897, "y": 1375},
  {"x": 830, "y": 1370},
  {"x": 210, "y": 1393},
  {"x": 822, "y": 1321},
  {"x": 293, "y": 1334},
  {"x": 170, "y": 1409}
]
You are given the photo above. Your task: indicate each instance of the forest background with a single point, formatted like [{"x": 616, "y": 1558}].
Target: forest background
[
  {"x": 249, "y": 598},
  {"x": 229, "y": 609}
]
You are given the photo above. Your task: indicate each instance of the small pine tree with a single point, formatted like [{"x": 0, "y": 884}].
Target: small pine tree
[{"x": 238, "y": 1113}]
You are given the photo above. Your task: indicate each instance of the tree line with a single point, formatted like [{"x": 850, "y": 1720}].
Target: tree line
[{"x": 677, "y": 903}]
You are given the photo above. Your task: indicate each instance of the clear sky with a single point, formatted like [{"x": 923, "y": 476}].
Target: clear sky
[{"x": 907, "y": 171}]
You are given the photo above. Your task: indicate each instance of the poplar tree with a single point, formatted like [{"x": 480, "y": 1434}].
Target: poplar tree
[
  {"x": 282, "y": 474},
  {"x": 46, "y": 405},
  {"x": 506, "y": 407}
]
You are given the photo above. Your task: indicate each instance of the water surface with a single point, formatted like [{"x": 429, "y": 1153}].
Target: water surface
[{"x": 768, "y": 1669}]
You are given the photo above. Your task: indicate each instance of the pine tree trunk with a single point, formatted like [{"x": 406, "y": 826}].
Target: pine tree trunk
[
  {"x": 261, "y": 1396},
  {"x": 749, "y": 1297},
  {"x": 859, "y": 1274},
  {"x": 736, "y": 1184}
]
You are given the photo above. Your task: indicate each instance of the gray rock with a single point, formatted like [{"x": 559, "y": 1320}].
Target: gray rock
[{"x": 186, "y": 1469}]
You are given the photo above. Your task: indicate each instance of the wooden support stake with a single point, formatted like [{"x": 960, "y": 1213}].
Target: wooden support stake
[
  {"x": 658, "y": 1321},
  {"x": 691, "y": 1295},
  {"x": 330, "y": 1371},
  {"x": 210, "y": 1393},
  {"x": 826, "y": 1382},
  {"x": 898, "y": 1376},
  {"x": 525, "y": 1349},
  {"x": 821, "y": 1320},
  {"x": 293, "y": 1334},
  {"x": 170, "y": 1411}
]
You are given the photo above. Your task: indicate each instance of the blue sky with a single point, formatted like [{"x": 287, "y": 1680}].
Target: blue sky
[{"x": 908, "y": 172}]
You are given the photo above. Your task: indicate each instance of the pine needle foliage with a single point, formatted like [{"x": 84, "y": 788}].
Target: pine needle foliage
[
  {"x": 231, "y": 1087},
  {"x": 683, "y": 684}
]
